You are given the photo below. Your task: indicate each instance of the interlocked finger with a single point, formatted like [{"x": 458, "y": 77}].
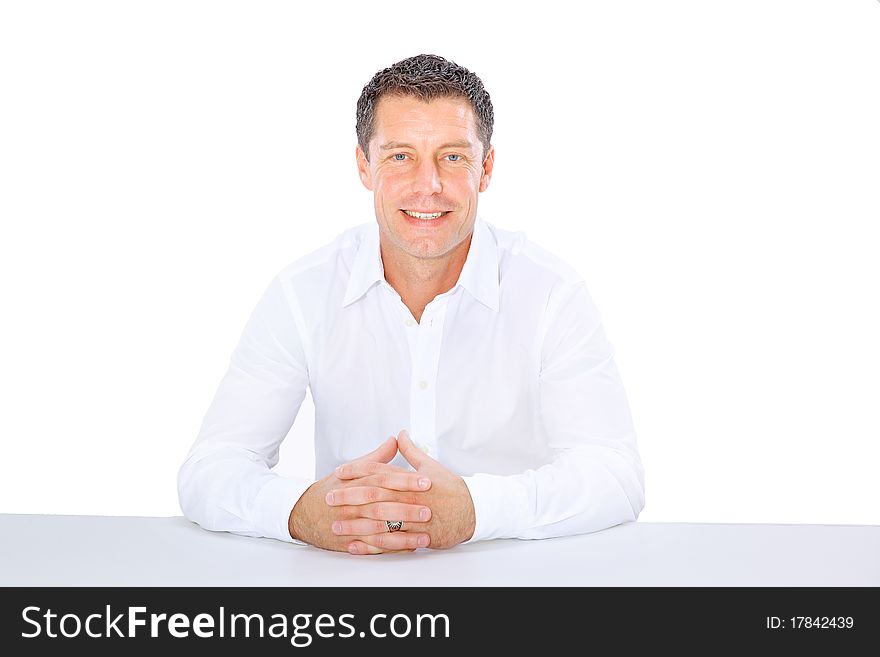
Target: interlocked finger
[
  {"x": 357, "y": 469},
  {"x": 359, "y": 547},
  {"x": 402, "y": 481},
  {"x": 367, "y": 526},
  {"x": 395, "y": 541},
  {"x": 390, "y": 511},
  {"x": 356, "y": 495}
]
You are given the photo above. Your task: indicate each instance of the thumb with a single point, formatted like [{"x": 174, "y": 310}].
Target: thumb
[
  {"x": 411, "y": 453},
  {"x": 383, "y": 453}
]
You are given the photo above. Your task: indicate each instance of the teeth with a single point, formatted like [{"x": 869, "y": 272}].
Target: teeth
[{"x": 423, "y": 215}]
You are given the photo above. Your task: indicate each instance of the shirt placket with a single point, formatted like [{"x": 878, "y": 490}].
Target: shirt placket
[{"x": 424, "y": 342}]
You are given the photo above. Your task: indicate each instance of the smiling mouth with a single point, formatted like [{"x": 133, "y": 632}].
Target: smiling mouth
[{"x": 425, "y": 216}]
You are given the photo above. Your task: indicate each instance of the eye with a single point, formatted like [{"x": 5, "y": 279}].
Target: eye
[
  {"x": 398, "y": 157},
  {"x": 455, "y": 155}
]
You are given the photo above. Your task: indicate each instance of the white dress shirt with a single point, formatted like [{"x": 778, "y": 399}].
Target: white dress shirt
[{"x": 507, "y": 380}]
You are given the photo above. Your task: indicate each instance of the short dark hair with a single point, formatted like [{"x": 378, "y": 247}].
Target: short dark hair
[{"x": 425, "y": 77}]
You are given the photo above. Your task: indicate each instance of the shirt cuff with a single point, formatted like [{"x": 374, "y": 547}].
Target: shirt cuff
[
  {"x": 274, "y": 503},
  {"x": 501, "y": 505}
]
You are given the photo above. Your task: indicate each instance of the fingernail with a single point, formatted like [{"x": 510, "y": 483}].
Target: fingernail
[
  {"x": 352, "y": 548},
  {"x": 329, "y": 497},
  {"x": 339, "y": 470},
  {"x": 424, "y": 483},
  {"x": 337, "y": 527},
  {"x": 424, "y": 514},
  {"x": 423, "y": 541}
]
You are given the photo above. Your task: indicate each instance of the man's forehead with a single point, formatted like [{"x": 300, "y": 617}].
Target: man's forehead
[
  {"x": 458, "y": 143},
  {"x": 408, "y": 99},
  {"x": 398, "y": 117}
]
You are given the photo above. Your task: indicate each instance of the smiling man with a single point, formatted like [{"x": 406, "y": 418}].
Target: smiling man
[
  {"x": 426, "y": 170},
  {"x": 487, "y": 349}
]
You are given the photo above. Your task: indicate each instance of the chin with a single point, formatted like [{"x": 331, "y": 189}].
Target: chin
[{"x": 420, "y": 249}]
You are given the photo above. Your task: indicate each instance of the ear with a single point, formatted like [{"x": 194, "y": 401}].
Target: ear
[
  {"x": 488, "y": 164},
  {"x": 363, "y": 168}
]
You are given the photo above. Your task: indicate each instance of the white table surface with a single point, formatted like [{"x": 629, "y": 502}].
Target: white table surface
[{"x": 51, "y": 550}]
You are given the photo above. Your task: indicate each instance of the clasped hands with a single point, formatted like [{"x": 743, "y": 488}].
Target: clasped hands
[{"x": 347, "y": 510}]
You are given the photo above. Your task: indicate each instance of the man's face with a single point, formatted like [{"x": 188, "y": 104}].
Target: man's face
[{"x": 425, "y": 158}]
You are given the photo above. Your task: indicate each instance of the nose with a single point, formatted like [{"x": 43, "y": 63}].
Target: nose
[{"x": 427, "y": 178}]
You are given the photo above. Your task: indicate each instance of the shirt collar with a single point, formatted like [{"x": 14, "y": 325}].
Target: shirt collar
[
  {"x": 479, "y": 276},
  {"x": 367, "y": 269}
]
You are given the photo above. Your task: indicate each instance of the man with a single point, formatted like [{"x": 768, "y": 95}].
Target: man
[{"x": 487, "y": 349}]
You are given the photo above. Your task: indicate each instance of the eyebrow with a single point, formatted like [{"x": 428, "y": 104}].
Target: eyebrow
[{"x": 461, "y": 143}]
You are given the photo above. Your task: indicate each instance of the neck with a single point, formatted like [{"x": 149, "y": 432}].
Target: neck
[{"x": 419, "y": 280}]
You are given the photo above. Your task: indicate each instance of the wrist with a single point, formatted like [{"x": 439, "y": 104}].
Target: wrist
[
  {"x": 291, "y": 526},
  {"x": 297, "y": 526},
  {"x": 469, "y": 520}
]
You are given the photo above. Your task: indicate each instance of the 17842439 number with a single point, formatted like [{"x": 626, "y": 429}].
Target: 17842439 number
[{"x": 809, "y": 623}]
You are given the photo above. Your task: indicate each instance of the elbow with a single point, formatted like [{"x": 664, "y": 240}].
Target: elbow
[
  {"x": 636, "y": 489},
  {"x": 626, "y": 470},
  {"x": 186, "y": 476}
]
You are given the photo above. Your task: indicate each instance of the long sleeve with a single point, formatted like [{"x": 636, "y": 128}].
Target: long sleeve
[
  {"x": 595, "y": 479},
  {"x": 226, "y": 482}
]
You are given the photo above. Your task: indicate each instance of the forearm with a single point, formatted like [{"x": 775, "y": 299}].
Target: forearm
[
  {"x": 594, "y": 478},
  {"x": 230, "y": 489},
  {"x": 226, "y": 482},
  {"x": 585, "y": 489}
]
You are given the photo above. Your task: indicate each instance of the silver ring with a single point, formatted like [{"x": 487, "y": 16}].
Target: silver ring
[{"x": 394, "y": 526}]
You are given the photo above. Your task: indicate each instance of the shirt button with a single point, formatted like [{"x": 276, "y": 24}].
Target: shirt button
[
  {"x": 409, "y": 322},
  {"x": 423, "y": 384}
]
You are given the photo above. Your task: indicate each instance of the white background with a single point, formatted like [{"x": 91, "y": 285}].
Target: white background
[{"x": 711, "y": 169}]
